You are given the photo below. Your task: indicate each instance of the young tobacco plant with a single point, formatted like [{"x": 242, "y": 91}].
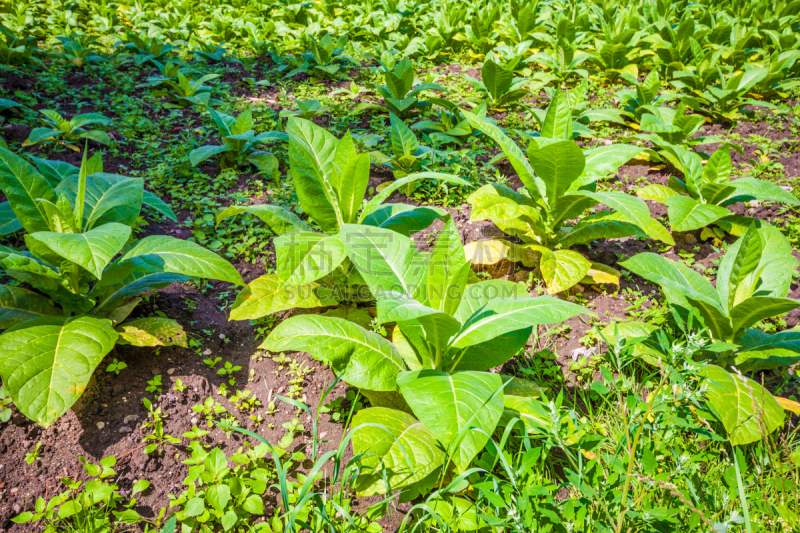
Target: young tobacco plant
[
  {"x": 331, "y": 180},
  {"x": 239, "y": 144},
  {"x": 703, "y": 197},
  {"x": 560, "y": 181},
  {"x": 85, "y": 276},
  {"x": 325, "y": 58},
  {"x": 498, "y": 87},
  {"x": 182, "y": 92},
  {"x": 400, "y": 94},
  {"x": 58, "y": 130},
  {"x": 752, "y": 283},
  {"x": 429, "y": 386}
]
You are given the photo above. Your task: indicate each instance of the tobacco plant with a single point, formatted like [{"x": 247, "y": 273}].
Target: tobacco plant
[
  {"x": 430, "y": 391},
  {"x": 58, "y": 130},
  {"x": 752, "y": 283},
  {"x": 400, "y": 94},
  {"x": 181, "y": 92},
  {"x": 325, "y": 57},
  {"x": 239, "y": 144},
  {"x": 331, "y": 180},
  {"x": 498, "y": 86},
  {"x": 560, "y": 185},
  {"x": 143, "y": 49},
  {"x": 86, "y": 276},
  {"x": 702, "y": 198}
]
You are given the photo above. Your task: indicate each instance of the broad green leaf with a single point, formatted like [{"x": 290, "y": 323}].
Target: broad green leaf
[
  {"x": 496, "y": 79},
  {"x": 448, "y": 269},
  {"x": 311, "y": 153},
  {"x": 687, "y": 214},
  {"x": 278, "y": 219},
  {"x": 601, "y": 225},
  {"x": 158, "y": 205},
  {"x": 403, "y": 140},
  {"x": 514, "y": 213},
  {"x": 386, "y": 260},
  {"x": 363, "y": 358},
  {"x": 322, "y": 259},
  {"x": 562, "y": 269},
  {"x": 632, "y": 210},
  {"x": 772, "y": 276},
  {"x": 680, "y": 281},
  {"x": 451, "y": 404},
  {"x": 18, "y": 305},
  {"x": 92, "y": 250},
  {"x": 557, "y": 122},
  {"x": 397, "y": 441},
  {"x": 656, "y": 193},
  {"x": 198, "y": 155},
  {"x": 182, "y": 257},
  {"x": 557, "y": 165},
  {"x": 268, "y": 294},
  {"x": 23, "y": 185},
  {"x": 503, "y": 316},
  {"x": 46, "y": 368},
  {"x": 112, "y": 198},
  {"x": 757, "y": 308},
  {"x": 605, "y": 160},
  {"x": 746, "y": 257},
  {"x": 352, "y": 184},
  {"x": 489, "y": 354},
  {"x": 719, "y": 167},
  {"x": 152, "y": 331},
  {"x": 763, "y": 191},
  {"x": 743, "y": 405}
]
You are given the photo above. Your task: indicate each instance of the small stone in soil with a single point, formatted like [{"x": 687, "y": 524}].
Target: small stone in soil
[
  {"x": 124, "y": 429},
  {"x": 101, "y": 425}
]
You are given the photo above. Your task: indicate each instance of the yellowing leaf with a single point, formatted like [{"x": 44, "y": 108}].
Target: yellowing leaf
[
  {"x": 152, "y": 331},
  {"x": 789, "y": 405},
  {"x": 602, "y": 275}
]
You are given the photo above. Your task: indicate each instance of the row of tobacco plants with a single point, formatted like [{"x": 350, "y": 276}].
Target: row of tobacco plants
[{"x": 456, "y": 411}]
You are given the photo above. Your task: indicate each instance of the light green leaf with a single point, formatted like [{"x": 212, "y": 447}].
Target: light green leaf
[
  {"x": 182, "y": 257},
  {"x": 558, "y": 165},
  {"x": 515, "y": 156},
  {"x": 23, "y": 185},
  {"x": 743, "y": 405},
  {"x": 45, "y": 368},
  {"x": 687, "y": 214},
  {"x": 92, "y": 250},
  {"x": 503, "y": 316},
  {"x": 311, "y": 153},
  {"x": 448, "y": 269},
  {"x": 365, "y": 359},
  {"x": 557, "y": 122},
  {"x": 758, "y": 308},
  {"x": 562, "y": 269},
  {"x": 268, "y": 294},
  {"x": 386, "y": 260},
  {"x": 451, "y": 404},
  {"x": 397, "y": 441}
]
